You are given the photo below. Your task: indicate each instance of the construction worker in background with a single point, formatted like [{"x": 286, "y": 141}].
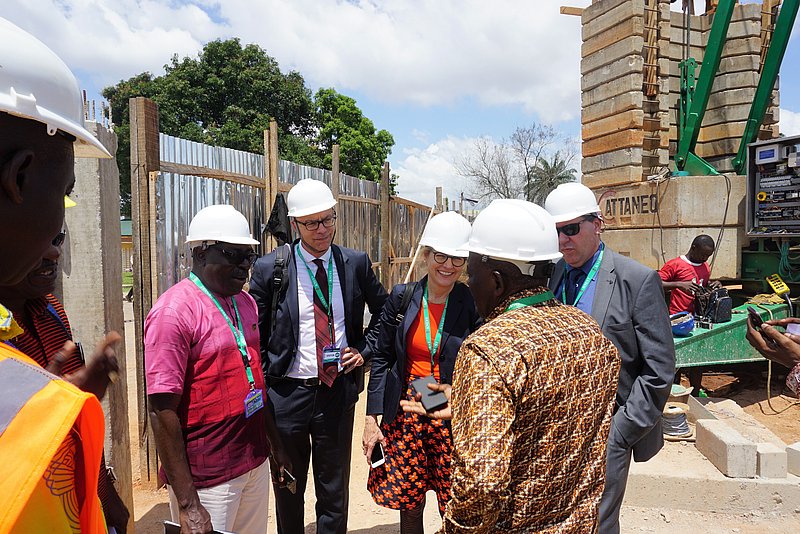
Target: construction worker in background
[
  {"x": 51, "y": 432},
  {"x": 533, "y": 388},
  {"x": 779, "y": 347},
  {"x": 627, "y": 301},
  {"x": 684, "y": 276},
  {"x": 45, "y": 331},
  {"x": 205, "y": 389},
  {"x": 311, "y": 310}
]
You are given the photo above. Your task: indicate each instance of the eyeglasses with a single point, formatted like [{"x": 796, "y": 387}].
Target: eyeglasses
[
  {"x": 442, "y": 258},
  {"x": 58, "y": 240},
  {"x": 573, "y": 229},
  {"x": 327, "y": 222},
  {"x": 237, "y": 256}
]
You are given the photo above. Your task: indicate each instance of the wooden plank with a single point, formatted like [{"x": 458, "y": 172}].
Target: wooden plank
[
  {"x": 632, "y": 26},
  {"x": 614, "y": 141},
  {"x": 283, "y": 187},
  {"x": 633, "y": 118},
  {"x": 629, "y": 46},
  {"x": 385, "y": 227},
  {"x": 617, "y": 176},
  {"x": 274, "y": 189},
  {"x": 611, "y": 18},
  {"x": 194, "y": 170},
  {"x": 612, "y": 71},
  {"x": 411, "y": 203},
  {"x": 363, "y": 200},
  {"x": 568, "y": 10},
  {"x": 268, "y": 242},
  {"x": 612, "y": 106},
  {"x": 335, "y": 180},
  {"x": 625, "y": 84}
]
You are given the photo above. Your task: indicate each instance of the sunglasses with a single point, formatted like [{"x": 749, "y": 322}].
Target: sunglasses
[
  {"x": 237, "y": 256},
  {"x": 441, "y": 259},
  {"x": 327, "y": 222},
  {"x": 573, "y": 229},
  {"x": 58, "y": 240}
]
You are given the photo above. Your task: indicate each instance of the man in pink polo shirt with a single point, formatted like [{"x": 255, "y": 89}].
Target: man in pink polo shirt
[{"x": 205, "y": 387}]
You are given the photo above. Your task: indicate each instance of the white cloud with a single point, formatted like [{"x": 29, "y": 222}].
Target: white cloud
[
  {"x": 789, "y": 122},
  {"x": 434, "y": 52},
  {"x": 423, "y": 169}
]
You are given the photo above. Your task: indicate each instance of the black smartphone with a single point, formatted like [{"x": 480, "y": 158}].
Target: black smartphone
[
  {"x": 291, "y": 482},
  {"x": 755, "y": 318},
  {"x": 377, "y": 458},
  {"x": 431, "y": 400}
]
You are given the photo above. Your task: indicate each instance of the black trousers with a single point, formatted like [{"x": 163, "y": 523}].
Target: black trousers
[{"x": 316, "y": 424}]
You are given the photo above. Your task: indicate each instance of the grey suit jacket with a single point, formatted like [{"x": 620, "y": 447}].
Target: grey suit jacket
[{"x": 630, "y": 308}]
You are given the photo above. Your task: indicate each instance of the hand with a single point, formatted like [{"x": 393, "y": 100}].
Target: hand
[
  {"x": 689, "y": 286},
  {"x": 278, "y": 463},
  {"x": 773, "y": 344},
  {"x": 415, "y": 406},
  {"x": 194, "y": 519},
  {"x": 101, "y": 367},
  {"x": 372, "y": 435},
  {"x": 715, "y": 284},
  {"x": 351, "y": 359}
]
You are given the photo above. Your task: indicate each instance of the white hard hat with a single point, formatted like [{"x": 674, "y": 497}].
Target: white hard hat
[
  {"x": 515, "y": 231},
  {"x": 570, "y": 201},
  {"x": 447, "y": 233},
  {"x": 35, "y": 84},
  {"x": 309, "y": 196},
  {"x": 219, "y": 223}
]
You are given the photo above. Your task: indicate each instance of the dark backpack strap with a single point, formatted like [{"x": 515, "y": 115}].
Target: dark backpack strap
[
  {"x": 408, "y": 292},
  {"x": 279, "y": 280}
]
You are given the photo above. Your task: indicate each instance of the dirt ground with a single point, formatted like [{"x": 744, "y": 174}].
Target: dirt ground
[{"x": 746, "y": 384}]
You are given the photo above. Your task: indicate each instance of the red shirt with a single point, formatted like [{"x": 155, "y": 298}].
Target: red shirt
[
  {"x": 680, "y": 269},
  {"x": 418, "y": 356}
]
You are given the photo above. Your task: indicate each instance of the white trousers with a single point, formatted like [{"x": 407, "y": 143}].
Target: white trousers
[{"x": 240, "y": 505}]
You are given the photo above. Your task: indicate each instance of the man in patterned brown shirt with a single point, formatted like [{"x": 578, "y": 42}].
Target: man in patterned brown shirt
[{"x": 533, "y": 389}]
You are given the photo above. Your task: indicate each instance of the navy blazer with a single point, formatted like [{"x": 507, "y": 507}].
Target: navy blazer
[
  {"x": 387, "y": 376},
  {"x": 359, "y": 285}
]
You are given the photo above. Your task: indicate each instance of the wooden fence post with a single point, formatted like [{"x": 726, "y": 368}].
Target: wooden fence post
[
  {"x": 268, "y": 243},
  {"x": 438, "y": 205},
  {"x": 335, "y": 185},
  {"x": 144, "y": 160},
  {"x": 386, "y": 261}
]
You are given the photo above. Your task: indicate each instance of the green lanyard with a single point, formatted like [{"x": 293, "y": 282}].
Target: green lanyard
[
  {"x": 327, "y": 304},
  {"x": 533, "y": 300},
  {"x": 433, "y": 347},
  {"x": 237, "y": 333},
  {"x": 589, "y": 278}
]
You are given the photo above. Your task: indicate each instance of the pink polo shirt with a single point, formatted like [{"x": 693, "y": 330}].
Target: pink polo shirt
[{"x": 190, "y": 351}]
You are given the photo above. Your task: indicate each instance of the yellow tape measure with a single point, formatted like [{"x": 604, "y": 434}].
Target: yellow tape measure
[{"x": 777, "y": 284}]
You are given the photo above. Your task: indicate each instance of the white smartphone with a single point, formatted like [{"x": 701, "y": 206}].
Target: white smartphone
[{"x": 377, "y": 458}]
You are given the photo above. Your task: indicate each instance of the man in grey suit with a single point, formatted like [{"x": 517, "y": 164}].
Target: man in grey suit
[{"x": 627, "y": 300}]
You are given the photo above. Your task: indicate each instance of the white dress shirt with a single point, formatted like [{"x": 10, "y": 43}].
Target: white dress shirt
[{"x": 305, "y": 362}]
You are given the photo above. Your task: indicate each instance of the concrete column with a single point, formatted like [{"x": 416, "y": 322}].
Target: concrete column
[{"x": 91, "y": 289}]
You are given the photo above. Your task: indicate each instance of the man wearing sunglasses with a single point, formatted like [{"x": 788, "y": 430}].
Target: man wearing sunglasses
[
  {"x": 313, "y": 353},
  {"x": 626, "y": 299},
  {"x": 205, "y": 389}
]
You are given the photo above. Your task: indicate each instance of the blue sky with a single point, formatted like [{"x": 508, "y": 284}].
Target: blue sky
[{"x": 438, "y": 74}]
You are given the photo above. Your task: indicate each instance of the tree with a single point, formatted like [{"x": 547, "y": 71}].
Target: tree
[
  {"x": 362, "y": 149},
  {"x": 514, "y": 168},
  {"x": 226, "y": 97},
  {"x": 546, "y": 176}
]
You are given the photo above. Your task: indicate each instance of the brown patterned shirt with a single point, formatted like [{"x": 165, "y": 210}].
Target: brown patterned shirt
[{"x": 532, "y": 400}]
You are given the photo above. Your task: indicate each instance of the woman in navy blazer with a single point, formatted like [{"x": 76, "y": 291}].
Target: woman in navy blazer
[{"x": 417, "y": 449}]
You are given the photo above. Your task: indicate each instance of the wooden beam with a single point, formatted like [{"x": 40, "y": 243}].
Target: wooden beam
[
  {"x": 569, "y": 10},
  {"x": 335, "y": 185},
  {"x": 363, "y": 200},
  {"x": 195, "y": 170},
  {"x": 411, "y": 203},
  {"x": 385, "y": 227}
]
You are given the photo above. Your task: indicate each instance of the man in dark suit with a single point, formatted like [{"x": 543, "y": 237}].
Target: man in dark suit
[
  {"x": 626, "y": 299},
  {"x": 313, "y": 354}
]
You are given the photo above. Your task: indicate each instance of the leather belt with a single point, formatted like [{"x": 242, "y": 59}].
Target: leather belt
[{"x": 308, "y": 382}]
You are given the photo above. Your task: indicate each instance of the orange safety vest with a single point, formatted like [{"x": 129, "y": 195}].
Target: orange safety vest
[{"x": 37, "y": 411}]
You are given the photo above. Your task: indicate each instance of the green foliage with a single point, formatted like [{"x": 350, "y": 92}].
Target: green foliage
[
  {"x": 547, "y": 175},
  {"x": 227, "y": 96}
]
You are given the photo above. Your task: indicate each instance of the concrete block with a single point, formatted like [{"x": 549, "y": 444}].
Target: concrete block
[
  {"x": 697, "y": 409},
  {"x": 617, "y": 69},
  {"x": 739, "y": 30},
  {"x": 770, "y": 461},
  {"x": 632, "y": 26},
  {"x": 610, "y": 160},
  {"x": 625, "y": 84},
  {"x": 724, "y": 447},
  {"x": 793, "y": 458},
  {"x": 613, "y": 141},
  {"x": 596, "y": 9},
  {"x": 611, "y": 18},
  {"x": 615, "y": 123},
  {"x": 616, "y": 176},
  {"x": 625, "y": 47}
]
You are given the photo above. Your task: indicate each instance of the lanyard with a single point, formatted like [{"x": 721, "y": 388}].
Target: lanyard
[
  {"x": 586, "y": 282},
  {"x": 237, "y": 333},
  {"x": 433, "y": 348},
  {"x": 54, "y": 313},
  {"x": 530, "y": 301},
  {"x": 327, "y": 304}
]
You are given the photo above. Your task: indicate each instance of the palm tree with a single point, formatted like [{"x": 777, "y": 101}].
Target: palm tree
[{"x": 546, "y": 176}]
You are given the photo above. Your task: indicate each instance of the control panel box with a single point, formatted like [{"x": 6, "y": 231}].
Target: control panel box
[{"x": 773, "y": 188}]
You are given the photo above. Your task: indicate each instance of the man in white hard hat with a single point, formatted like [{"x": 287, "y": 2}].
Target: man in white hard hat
[
  {"x": 313, "y": 347},
  {"x": 627, "y": 300},
  {"x": 533, "y": 388},
  {"x": 205, "y": 389},
  {"x": 50, "y": 431}
]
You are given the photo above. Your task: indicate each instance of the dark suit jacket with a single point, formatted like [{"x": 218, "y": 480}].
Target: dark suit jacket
[
  {"x": 630, "y": 308},
  {"x": 359, "y": 287},
  {"x": 387, "y": 376}
]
